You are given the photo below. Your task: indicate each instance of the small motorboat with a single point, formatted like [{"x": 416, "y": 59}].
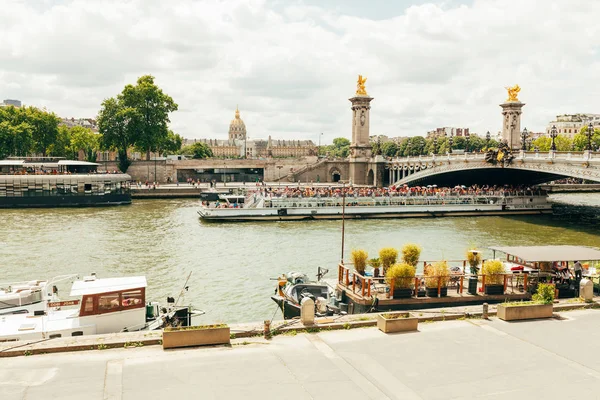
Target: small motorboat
[
  {"x": 294, "y": 287},
  {"x": 97, "y": 306}
]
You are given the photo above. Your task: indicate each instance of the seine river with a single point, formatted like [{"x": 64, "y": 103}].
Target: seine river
[{"x": 232, "y": 263}]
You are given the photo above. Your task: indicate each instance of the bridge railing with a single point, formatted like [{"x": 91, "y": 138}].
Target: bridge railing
[{"x": 519, "y": 155}]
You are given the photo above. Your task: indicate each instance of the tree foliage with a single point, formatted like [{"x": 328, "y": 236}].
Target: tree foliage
[
  {"x": 27, "y": 130},
  {"x": 198, "y": 150}
]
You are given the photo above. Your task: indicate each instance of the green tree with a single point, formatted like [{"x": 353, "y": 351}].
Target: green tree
[
  {"x": 62, "y": 145},
  {"x": 85, "y": 139},
  {"x": 117, "y": 124},
  {"x": 171, "y": 144},
  {"x": 151, "y": 110},
  {"x": 198, "y": 150},
  {"x": 389, "y": 149},
  {"x": 340, "y": 147},
  {"x": 542, "y": 143},
  {"x": 45, "y": 129},
  {"x": 580, "y": 140}
]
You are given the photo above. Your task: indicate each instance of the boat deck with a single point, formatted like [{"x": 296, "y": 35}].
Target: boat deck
[{"x": 37, "y": 326}]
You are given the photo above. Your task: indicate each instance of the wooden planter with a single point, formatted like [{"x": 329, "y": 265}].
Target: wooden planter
[
  {"x": 405, "y": 323},
  {"x": 494, "y": 289},
  {"x": 533, "y": 311},
  {"x": 472, "y": 286},
  {"x": 195, "y": 337}
]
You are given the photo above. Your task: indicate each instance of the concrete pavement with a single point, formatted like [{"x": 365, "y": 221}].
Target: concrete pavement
[{"x": 463, "y": 359}]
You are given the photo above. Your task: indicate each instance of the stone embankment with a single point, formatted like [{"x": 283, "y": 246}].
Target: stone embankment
[{"x": 242, "y": 332}]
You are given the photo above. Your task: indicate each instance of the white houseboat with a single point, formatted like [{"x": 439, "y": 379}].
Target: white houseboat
[
  {"x": 98, "y": 306},
  {"x": 262, "y": 208}
]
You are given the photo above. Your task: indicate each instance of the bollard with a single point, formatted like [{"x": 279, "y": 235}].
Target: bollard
[
  {"x": 267, "y": 329},
  {"x": 485, "y": 311}
]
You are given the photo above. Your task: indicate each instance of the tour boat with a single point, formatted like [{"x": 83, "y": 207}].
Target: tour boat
[
  {"x": 264, "y": 208},
  {"x": 99, "y": 306}
]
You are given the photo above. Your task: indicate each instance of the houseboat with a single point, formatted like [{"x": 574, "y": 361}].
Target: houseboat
[
  {"x": 263, "y": 208},
  {"x": 54, "y": 182},
  {"x": 96, "y": 306}
]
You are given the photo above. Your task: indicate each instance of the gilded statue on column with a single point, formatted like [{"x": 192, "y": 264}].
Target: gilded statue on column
[
  {"x": 513, "y": 92},
  {"x": 360, "y": 86}
]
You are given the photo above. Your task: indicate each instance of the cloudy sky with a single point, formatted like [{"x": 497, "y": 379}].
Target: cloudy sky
[{"x": 291, "y": 65}]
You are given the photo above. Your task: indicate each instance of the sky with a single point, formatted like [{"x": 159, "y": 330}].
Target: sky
[{"x": 292, "y": 65}]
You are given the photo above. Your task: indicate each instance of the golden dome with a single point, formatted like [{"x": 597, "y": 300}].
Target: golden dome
[{"x": 237, "y": 128}]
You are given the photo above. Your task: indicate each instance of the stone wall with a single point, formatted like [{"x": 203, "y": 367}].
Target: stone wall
[{"x": 144, "y": 171}]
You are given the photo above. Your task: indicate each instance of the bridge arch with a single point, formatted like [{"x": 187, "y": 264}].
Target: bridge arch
[{"x": 335, "y": 174}]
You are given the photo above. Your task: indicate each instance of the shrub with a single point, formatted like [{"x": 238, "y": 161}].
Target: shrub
[
  {"x": 494, "y": 272},
  {"x": 432, "y": 272},
  {"x": 403, "y": 276},
  {"x": 388, "y": 257},
  {"x": 411, "y": 253},
  {"x": 474, "y": 259},
  {"x": 359, "y": 259},
  {"x": 544, "y": 294}
]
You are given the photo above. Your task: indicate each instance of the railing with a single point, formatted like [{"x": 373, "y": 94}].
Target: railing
[
  {"x": 518, "y": 155},
  {"x": 353, "y": 280}
]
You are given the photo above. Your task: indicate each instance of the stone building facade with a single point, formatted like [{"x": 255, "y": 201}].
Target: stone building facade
[{"x": 571, "y": 124}]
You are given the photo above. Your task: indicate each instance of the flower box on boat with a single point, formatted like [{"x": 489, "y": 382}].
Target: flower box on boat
[
  {"x": 513, "y": 312},
  {"x": 195, "y": 336},
  {"x": 399, "y": 321}
]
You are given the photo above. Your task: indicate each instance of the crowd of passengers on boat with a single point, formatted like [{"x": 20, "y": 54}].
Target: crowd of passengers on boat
[{"x": 396, "y": 191}]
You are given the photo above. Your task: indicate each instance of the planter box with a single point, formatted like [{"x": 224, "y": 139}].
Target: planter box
[
  {"x": 533, "y": 311},
  {"x": 472, "y": 286},
  {"x": 405, "y": 323},
  {"x": 494, "y": 289},
  {"x": 402, "y": 293},
  {"x": 433, "y": 292},
  {"x": 195, "y": 337}
]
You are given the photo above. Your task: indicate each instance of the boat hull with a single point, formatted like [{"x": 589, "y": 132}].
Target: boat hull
[
  {"x": 65, "y": 201},
  {"x": 289, "y": 309},
  {"x": 365, "y": 212}
]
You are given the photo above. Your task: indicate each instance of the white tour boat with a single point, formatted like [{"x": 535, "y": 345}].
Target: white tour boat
[
  {"x": 29, "y": 297},
  {"x": 264, "y": 208},
  {"x": 99, "y": 306}
]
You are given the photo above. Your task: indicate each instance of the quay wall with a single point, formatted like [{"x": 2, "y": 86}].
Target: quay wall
[{"x": 571, "y": 188}]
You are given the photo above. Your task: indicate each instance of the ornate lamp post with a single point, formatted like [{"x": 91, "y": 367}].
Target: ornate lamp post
[
  {"x": 450, "y": 141},
  {"x": 524, "y": 136},
  {"x": 589, "y": 134},
  {"x": 408, "y": 149},
  {"x": 466, "y": 143},
  {"x": 553, "y": 136},
  {"x": 487, "y": 139},
  {"x": 529, "y": 143},
  {"x": 435, "y": 144}
]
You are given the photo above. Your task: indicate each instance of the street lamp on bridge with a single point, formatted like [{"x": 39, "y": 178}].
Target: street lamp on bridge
[
  {"x": 524, "y": 136},
  {"x": 435, "y": 144},
  {"x": 450, "y": 141},
  {"x": 553, "y": 136},
  {"x": 487, "y": 139},
  {"x": 589, "y": 134}
]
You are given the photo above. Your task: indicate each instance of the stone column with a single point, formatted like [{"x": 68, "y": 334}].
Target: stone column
[
  {"x": 511, "y": 125},
  {"x": 360, "y": 148}
]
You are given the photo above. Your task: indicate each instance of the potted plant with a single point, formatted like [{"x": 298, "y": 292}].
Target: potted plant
[
  {"x": 195, "y": 336},
  {"x": 493, "y": 270},
  {"x": 541, "y": 306},
  {"x": 359, "y": 259},
  {"x": 402, "y": 276},
  {"x": 437, "y": 275},
  {"x": 388, "y": 257},
  {"x": 474, "y": 259},
  {"x": 399, "y": 321},
  {"x": 375, "y": 263},
  {"x": 411, "y": 253}
]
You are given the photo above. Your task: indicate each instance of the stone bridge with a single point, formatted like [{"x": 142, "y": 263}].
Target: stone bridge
[{"x": 471, "y": 168}]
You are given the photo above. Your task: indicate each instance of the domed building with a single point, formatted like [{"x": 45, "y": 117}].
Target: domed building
[{"x": 237, "y": 128}]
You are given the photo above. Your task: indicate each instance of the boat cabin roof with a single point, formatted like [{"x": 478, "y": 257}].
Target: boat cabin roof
[
  {"x": 107, "y": 285},
  {"x": 551, "y": 253}
]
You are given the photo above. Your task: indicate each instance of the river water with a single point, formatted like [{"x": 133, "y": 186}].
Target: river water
[{"x": 232, "y": 264}]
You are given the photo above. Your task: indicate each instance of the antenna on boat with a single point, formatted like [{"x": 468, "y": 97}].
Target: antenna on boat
[
  {"x": 321, "y": 273},
  {"x": 183, "y": 289}
]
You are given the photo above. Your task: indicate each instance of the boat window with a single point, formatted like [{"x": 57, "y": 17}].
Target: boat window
[
  {"x": 108, "y": 302},
  {"x": 133, "y": 298},
  {"x": 87, "y": 307}
]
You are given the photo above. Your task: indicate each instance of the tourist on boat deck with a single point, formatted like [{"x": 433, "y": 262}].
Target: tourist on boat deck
[{"x": 577, "y": 267}]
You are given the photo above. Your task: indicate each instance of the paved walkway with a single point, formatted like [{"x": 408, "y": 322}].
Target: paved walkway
[{"x": 462, "y": 359}]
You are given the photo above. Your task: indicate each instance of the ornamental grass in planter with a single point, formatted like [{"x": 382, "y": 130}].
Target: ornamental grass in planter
[
  {"x": 474, "y": 259},
  {"x": 541, "y": 306},
  {"x": 402, "y": 277},
  {"x": 399, "y": 321},
  {"x": 411, "y": 253},
  {"x": 359, "y": 259},
  {"x": 437, "y": 275},
  {"x": 195, "y": 336},
  {"x": 388, "y": 257},
  {"x": 375, "y": 263},
  {"x": 493, "y": 270}
]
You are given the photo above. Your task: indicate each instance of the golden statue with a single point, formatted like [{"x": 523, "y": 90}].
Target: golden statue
[
  {"x": 513, "y": 92},
  {"x": 360, "y": 86}
]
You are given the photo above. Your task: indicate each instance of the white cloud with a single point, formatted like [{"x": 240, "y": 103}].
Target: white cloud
[{"x": 291, "y": 66}]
